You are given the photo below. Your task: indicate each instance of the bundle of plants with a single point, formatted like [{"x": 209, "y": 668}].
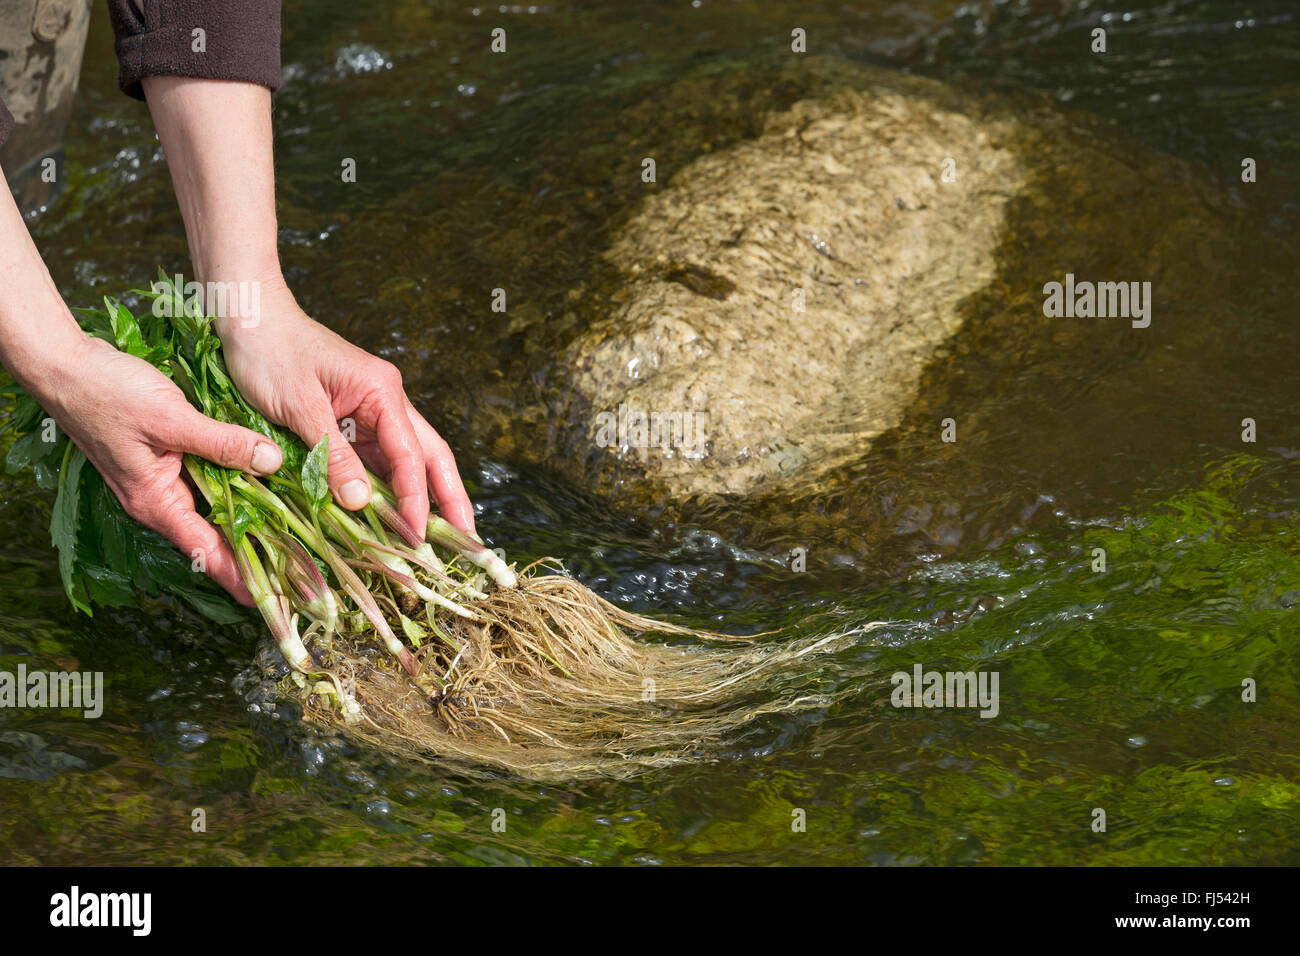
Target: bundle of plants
[{"x": 428, "y": 644}]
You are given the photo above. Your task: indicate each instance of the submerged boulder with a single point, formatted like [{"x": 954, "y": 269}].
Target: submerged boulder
[
  {"x": 782, "y": 297},
  {"x": 777, "y": 315},
  {"x": 836, "y": 260}
]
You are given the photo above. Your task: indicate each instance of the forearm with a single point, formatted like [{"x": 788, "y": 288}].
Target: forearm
[
  {"x": 37, "y": 332},
  {"x": 217, "y": 138}
]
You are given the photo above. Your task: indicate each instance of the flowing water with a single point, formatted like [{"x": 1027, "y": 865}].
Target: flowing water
[{"x": 1120, "y": 689}]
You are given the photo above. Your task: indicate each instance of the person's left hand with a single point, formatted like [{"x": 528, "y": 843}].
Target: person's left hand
[{"x": 303, "y": 376}]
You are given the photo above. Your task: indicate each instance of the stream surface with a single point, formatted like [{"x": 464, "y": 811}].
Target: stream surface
[{"x": 1120, "y": 689}]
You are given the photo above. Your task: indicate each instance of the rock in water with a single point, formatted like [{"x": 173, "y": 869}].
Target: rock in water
[
  {"x": 916, "y": 224},
  {"x": 784, "y": 296}
]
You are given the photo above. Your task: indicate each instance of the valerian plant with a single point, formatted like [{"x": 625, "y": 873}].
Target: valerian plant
[
  {"x": 426, "y": 644},
  {"x": 296, "y": 549}
]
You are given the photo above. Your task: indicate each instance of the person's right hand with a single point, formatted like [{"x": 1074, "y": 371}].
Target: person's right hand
[{"x": 134, "y": 424}]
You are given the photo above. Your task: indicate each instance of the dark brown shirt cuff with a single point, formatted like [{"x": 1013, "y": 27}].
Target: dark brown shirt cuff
[{"x": 240, "y": 41}]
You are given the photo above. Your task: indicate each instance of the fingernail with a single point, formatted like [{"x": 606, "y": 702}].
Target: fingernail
[
  {"x": 354, "y": 493},
  {"x": 266, "y": 458}
]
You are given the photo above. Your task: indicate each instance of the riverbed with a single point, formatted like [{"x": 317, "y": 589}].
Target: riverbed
[{"x": 1161, "y": 685}]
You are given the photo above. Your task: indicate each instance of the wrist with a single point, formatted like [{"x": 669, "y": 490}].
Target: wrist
[
  {"x": 245, "y": 300},
  {"x": 214, "y": 262},
  {"x": 45, "y": 360},
  {"x": 37, "y": 331}
]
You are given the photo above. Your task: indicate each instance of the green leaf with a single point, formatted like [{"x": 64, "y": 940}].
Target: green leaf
[
  {"x": 47, "y": 471},
  {"x": 315, "y": 474},
  {"x": 126, "y": 330},
  {"x": 97, "y": 324},
  {"x": 114, "y": 532},
  {"x": 109, "y": 588},
  {"x": 181, "y": 375},
  {"x": 211, "y": 603},
  {"x": 244, "y": 519},
  {"x": 28, "y": 450},
  {"x": 414, "y": 633},
  {"x": 26, "y": 412},
  {"x": 63, "y": 526}
]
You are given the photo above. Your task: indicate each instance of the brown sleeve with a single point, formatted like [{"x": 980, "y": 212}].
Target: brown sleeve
[
  {"x": 6, "y": 123},
  {"x": 240, "y": 40}
]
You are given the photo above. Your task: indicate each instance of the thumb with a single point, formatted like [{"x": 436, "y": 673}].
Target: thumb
[
  {"x": 231, "y": 446},
  {"x": 347, "y": 476}
]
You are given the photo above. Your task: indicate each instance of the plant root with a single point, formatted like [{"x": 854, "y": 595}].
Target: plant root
[{"x": 552, "y": 682}]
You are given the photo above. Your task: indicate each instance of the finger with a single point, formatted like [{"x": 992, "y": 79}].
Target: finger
[
  {"x": 172, "y": 515},
  {"x": 227, "y": 445},
  {"x": 374, "y": 459},
  {"x": 347, "y": 476},
  {"x": 398, "y": 442},
  {"x": 444, "y": 478}
]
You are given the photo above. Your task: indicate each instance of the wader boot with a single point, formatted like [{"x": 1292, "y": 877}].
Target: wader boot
[{"x": 41, "y": 44}]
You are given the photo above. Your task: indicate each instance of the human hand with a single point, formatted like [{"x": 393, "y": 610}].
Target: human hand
[
  {"x": 296, "y": 372},
  {"x": 135, "y": 426},
  {"x": 303, "y": 376}
]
